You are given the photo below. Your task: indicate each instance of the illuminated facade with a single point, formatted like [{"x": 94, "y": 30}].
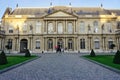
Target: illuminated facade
[{"x": 72, "y": 28}]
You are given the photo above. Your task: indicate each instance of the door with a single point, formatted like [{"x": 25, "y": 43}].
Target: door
[{"x": 23, "y": 45}]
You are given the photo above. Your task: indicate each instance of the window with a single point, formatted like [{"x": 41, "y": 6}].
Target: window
[
  {"x": 38, "y": 27},
  {"x": 50, "y": 44},
  {"x": 9, "y": 43},
  {"x": 70, "y": 28},
  {"x": 70, "y": 44},
  {"x": 50, "y": 28},
  {"x": 10, "y": 30},
  {"x": 82, "y": 27},
  {"x": 97, "y": 45},
  {"x": 60, "y": 28},
  {"x": 109, "y": 44},
  {"x": 37, "y": 44},
  {"x": 82, "y": 43},
  {"x": 24, "y": 27},
  {"x": 95, "y": 24},
  {"x": 118, "y": 25},
  {"x": 109, "y": 27}
]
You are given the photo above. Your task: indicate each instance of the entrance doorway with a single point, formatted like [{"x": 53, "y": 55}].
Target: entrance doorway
[
  {"x": 60, "y": 43},
  {"x": 23, "y": 45}
]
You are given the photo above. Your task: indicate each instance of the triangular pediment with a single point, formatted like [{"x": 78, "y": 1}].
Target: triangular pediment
[{"x": 60, "y": 14}]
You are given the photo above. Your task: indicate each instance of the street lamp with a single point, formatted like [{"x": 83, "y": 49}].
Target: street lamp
[{"x": 18, "y": 36}]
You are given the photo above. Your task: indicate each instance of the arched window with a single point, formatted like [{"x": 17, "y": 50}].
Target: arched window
[
  {"x": 95, "y": 24},
  {"x": 70, "y": 44},
  {"x": 38, "y": 27},
  {"x": 50, "y": 28},
  {"x": 118, "y": 25},
  {"x": 82, "y": 27},
  {"x": 82, "y": 43},
  {"x": 110, "y": 42},
  {"x": 9, "y": 44},
  {"x": 50, "y": 44},
  {"x": 70, "y": 27},
  {"x": 37, "y": 44},
  {"x": 60, "y": 28},
  {"x": 109, "y": 27},
  {"x": 97, "y": 43}
]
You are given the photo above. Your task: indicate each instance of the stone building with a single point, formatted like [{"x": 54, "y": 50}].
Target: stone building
[{"x": 71, "y": 28}]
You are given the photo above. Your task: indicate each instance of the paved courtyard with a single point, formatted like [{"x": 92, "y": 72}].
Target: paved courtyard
[{"x": 60, "y": 67}]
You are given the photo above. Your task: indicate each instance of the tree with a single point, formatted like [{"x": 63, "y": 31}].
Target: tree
[
  {"x": 27, "y": 53},
  {"x": 116, "y": 58},
  {"x": 3, "y": 58},
  {"x": 92, "y": 54}
]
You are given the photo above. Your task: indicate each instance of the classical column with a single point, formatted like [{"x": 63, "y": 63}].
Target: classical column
[
  {"x": 64, "y": 42},
  {"x": 105, "y": 45},
  {"x": 66, "y": 27},
  {"x": 44, "y": 44},
  {"x": 74, "y": 27},
  {"x": 118, "y": 42},
  {"x": 56, "y": 27},
  {"x": 90, "y": 43},
  {"x": 15, "y": 44},
  {"x": 74, "y": 43},
  {"x": 102, "y": 43},
  {"x": 44, "y": 26}
]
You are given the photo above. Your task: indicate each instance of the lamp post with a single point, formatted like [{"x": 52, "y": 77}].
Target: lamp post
[
  {"x": 31, "y": 39},
  {"x": 18, "y": 37}
]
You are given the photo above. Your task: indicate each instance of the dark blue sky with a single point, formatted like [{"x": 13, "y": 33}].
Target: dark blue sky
[{"x": 112, "y": 4}]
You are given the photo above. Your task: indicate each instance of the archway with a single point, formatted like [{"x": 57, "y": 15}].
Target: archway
[
  {"x": 60, "y": 43},
  {"x": 23, "y": 45}
]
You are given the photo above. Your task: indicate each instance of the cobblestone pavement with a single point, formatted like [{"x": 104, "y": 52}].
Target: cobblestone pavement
[{"x": 60, "y": 67}]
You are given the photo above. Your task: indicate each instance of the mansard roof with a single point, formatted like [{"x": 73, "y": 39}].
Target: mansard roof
[{"x": 78, "y": 11}]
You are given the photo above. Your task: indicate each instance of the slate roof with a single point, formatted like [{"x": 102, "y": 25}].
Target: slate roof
[{"x": 76, "y": 10}]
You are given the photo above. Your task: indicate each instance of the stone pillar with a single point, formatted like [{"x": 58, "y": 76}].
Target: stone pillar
[
  {"x": 56, "y": 27},
  {"x": 66, "y": 28},
  {"x": 64, "y": 42},
  {"x": 46, "y": 27},
  {"x": 15, "y": 44},
  {"x": 74, "y": 44},
  {"x": 74, "y": 27}
]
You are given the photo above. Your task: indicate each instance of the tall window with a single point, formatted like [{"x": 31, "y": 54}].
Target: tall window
[
  {"x": 10, "y": 30},
  {"x": 50, "y": 44},
  {"x": 37, "y": 44},
  {"x": 60, "y": 28},
  {"x": 24, "y": 27},
  {"x": 118, "y": 25},
  {"x": 95, "y": 24},
  {"x": 70, "y": 44},
  {"x": 82, "y": 43},
  {"x": 97, "y": 44},
  {"x": 109, "y": 27},
  {"x": 38, "y": 27},
  {"x": 50, "y": 28},
  {"x": 70, "y": 27},
  {"x": 109, "y": 44},
  {"x": 82, "y": 27},
  {"x": 10, "y": 43}
]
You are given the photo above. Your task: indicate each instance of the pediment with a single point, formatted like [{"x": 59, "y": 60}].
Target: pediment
[{"x": 60, "y": 14}]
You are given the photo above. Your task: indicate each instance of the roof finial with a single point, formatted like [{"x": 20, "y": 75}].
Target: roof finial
[
  {"x": 101, "y": 5},
  {"x": 50, "y": 3},
  {"x": 70, "y": 4},
  {"x": 17, "y": 5}
]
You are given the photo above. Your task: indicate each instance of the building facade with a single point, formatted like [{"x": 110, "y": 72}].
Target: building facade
[{"x": 72, "y": 28}]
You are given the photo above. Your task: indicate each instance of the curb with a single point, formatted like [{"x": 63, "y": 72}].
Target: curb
[
  {"x": 17, "y": 65},
  {"x": 105, "y": 66}
]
